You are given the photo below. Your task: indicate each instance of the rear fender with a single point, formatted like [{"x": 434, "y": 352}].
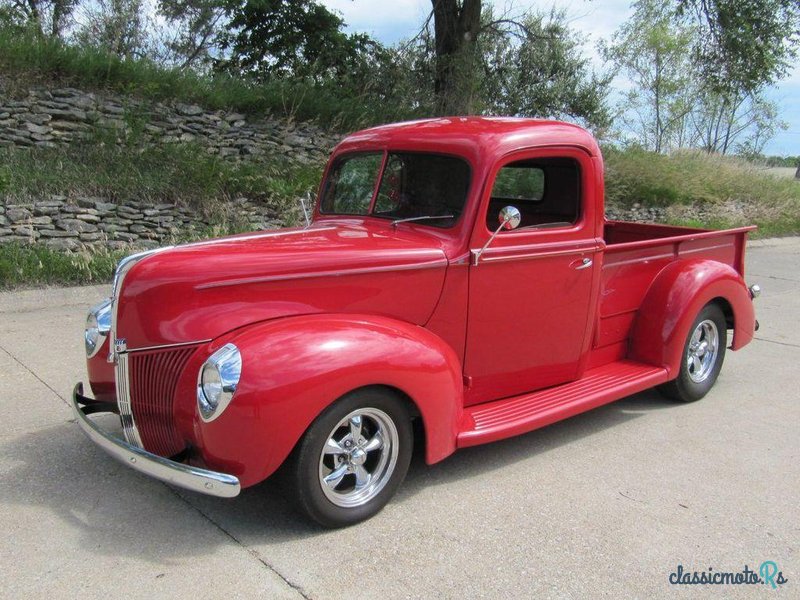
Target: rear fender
[
  {"x": 293, "y": 368},
  {"x": 672, "y": 303}
]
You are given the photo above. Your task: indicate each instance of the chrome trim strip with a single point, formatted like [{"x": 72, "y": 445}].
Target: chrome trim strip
[
  {"x": 116, "y": 349},
  {"x": 123, "y": 267},
  {"x": 124, "y": 402},
  {"x": 533, "y": 255},
  {"x": 433, "y": 264},
  {"x": 166, "y": 346},
  {"x": 256, "y": 236},
  {"x": 188, "y": 477}
]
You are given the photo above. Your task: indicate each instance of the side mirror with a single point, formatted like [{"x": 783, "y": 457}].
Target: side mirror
[{"x": 509, "y": 218}]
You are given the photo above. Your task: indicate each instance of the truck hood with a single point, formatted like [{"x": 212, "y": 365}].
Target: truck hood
[{"x": 197, "y": 292}]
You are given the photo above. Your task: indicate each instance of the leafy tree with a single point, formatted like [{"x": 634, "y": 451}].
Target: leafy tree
[
  {"x": 528, "y": 65},
  {"x": 674, "y": 103},
  {"x": 196, "y": 25},
  {"x": 290, "y": 38},
  {"x": 744, "y": 44},
  {"x": 741, "y": 121},
  {"x": 48, "y": 17},
  {"x": 117, "y": 26},
  {"x": 541, "y": 72},
  {"x": 652, "y": 51}
]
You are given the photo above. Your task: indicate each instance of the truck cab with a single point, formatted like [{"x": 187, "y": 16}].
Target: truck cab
[{"x": 458, "y": 272}]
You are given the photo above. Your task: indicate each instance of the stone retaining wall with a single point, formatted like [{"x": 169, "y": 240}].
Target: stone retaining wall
[
  {"x": 77, "y": 223},
  {"x": 59, "y": 116}
]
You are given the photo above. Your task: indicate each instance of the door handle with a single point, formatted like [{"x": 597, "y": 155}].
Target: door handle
[{"x": 584, "y": 264}]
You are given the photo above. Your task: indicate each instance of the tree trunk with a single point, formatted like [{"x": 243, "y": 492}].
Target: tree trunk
[{"x": 456, "y": 27}]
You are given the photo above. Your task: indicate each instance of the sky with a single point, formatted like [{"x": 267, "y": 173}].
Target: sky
[{"x": 390, "y": 21}]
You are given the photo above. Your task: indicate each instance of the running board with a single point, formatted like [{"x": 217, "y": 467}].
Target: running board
[{"x": 501, "y": 419}]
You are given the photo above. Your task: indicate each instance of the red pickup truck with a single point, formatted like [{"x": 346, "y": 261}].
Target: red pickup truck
[{"x": 457, "y": 272}]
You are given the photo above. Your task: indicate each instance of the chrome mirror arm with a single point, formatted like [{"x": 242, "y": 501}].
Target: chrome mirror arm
[
  {"x": 476, "y": 254},
  {"x": 509, "y": 218}
]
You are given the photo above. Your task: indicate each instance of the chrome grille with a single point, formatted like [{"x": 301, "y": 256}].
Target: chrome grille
[
  {"x": 124, "y": 401},
  {"x": 153, "y": 377}
]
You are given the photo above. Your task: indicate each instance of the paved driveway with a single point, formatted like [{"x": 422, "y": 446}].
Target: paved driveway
[{"x": 606, "y": 504}]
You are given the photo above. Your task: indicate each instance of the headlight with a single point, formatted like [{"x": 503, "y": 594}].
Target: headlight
[
  {"x": 217, "y": 381},
  {"x": 98, "y": 324}
]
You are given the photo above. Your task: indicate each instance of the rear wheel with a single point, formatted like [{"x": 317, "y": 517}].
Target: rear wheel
[
  {"x": 353, "y": 458},
  {"x": 703, "y": 354}
]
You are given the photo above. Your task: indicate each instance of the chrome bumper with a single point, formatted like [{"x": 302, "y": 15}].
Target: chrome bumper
[{"x": 169, "y": 471}]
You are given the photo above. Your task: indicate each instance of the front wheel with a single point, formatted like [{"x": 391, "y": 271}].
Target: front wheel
[
  {"x": 702, "y": 357},
  {"x": 353, "y": 458}
]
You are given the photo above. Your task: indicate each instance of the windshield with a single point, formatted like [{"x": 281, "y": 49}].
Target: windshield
[{"x": 412, "y": 185}]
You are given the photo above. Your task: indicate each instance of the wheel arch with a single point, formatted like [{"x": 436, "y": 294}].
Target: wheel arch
[
  {"x": 294, "y": 368},
  {"x": 674, "y": 299}
]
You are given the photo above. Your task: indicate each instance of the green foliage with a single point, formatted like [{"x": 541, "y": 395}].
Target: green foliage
[
  {"x": 676, "y": 102},
  {"x": 744, "y": 44},
  {"x": 27, "y": 58},
  {"x": 529, "y": 67},
  {"x": 118, "y": 27},
  {"x": 519, "y": 182},
  {"x": 39, "y": 265},
  {"x": 634, "y": 175},
  {"x": 5, "y": 180},
  {"x": 782, "y": 161},
  {"x": 542, "y": 73},
  {"x": 653, "y": 52},
  {"x": 727, "y": 192},
  {"x": 180, "y": 173},
  {"x": 291, "y": 38}
]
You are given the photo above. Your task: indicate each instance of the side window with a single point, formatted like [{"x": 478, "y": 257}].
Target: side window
[
  {"x": 545, "y": 191},
  {"x": 519, "y": 182}
]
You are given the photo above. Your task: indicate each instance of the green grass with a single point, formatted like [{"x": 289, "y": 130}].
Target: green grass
[
  {"x": 175, "y": 173},
  {"x": 24, "y": 265},
  {"x": 730, "y": 191},
  {"x": 27, "y": 59},
  {"x": 39, "y": 265}
]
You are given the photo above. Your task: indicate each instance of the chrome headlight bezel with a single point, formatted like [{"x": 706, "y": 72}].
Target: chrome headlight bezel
[
  {"x": 98, "y": 325},
  {"x": 217, "y": 381}
]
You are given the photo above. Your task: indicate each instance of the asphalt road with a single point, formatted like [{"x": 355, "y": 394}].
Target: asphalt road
[{"x": 606, "y": 504}]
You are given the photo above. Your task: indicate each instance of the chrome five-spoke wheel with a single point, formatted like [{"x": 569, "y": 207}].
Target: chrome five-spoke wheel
[
  {"x": 353, "y": 457},
  {"x": 359, "y": 457},
  {"x": 702, "y": 351}
]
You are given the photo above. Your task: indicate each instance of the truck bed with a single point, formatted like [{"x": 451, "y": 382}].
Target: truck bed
[{"x": 635, "y": 253}]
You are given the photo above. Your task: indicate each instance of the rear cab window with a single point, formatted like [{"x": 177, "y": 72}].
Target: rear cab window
[{"x": 545, "y": 191}]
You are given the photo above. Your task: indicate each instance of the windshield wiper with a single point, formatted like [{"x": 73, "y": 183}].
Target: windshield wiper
[{"x": 423, "y": 218}]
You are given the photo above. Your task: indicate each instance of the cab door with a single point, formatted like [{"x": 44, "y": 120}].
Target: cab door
[{"x": 532, "y": 289}]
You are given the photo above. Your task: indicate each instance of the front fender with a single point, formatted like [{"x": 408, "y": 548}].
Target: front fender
[
  {"x": 293, "y": 368},
  {"x": 672, "y": 303}
]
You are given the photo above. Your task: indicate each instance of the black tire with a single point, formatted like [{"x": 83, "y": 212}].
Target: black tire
[
  {"x": 694, "y": 382},
  {"x": 382, "y": 415}
]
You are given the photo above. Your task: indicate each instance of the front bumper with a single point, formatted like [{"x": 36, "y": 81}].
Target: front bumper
[{"x": 169, "y": 471}]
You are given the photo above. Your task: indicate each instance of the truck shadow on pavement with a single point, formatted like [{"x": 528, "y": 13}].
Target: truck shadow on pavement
[{"x": 113, "y": 510}]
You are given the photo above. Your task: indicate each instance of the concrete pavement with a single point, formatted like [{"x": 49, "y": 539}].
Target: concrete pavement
[{"x": 606, "y": 504}]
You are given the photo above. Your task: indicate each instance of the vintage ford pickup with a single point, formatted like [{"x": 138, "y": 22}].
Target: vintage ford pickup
[{"x": 407, "y": 299}]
